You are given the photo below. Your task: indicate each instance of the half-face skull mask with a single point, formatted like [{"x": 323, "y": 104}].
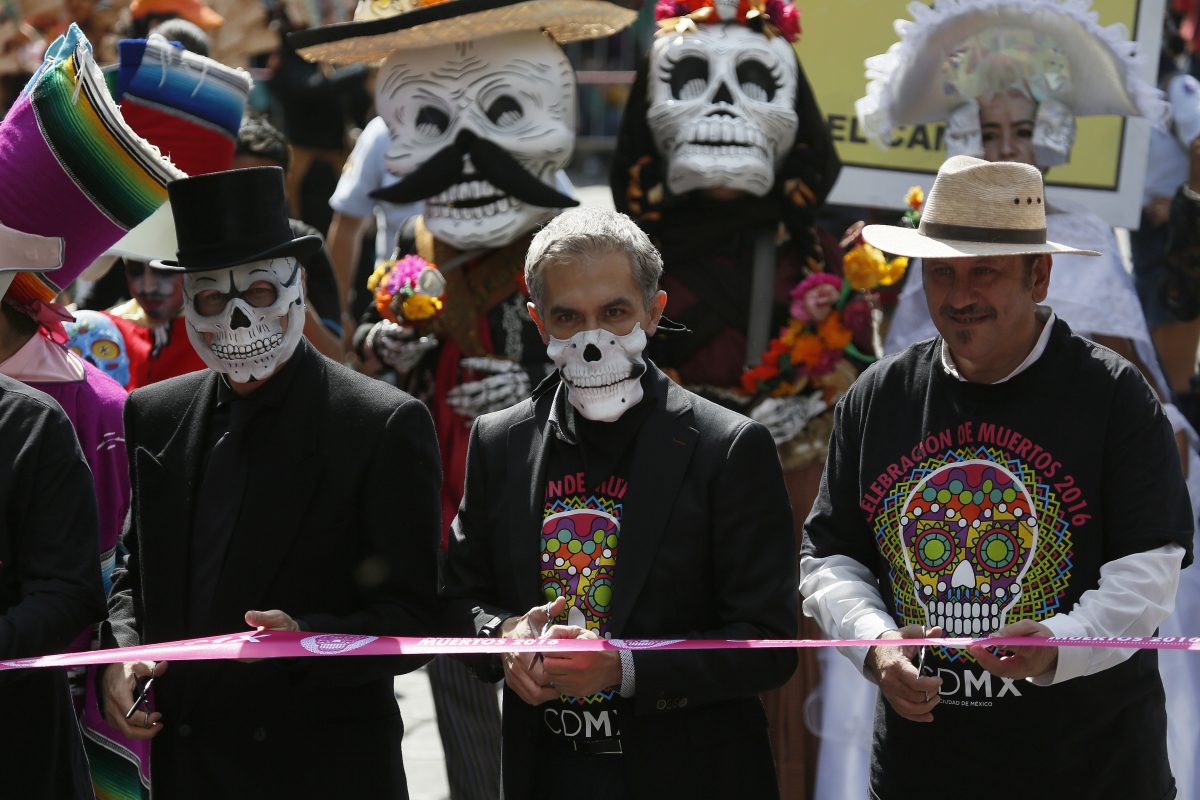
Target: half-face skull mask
[
  {"x": 514, "y": 91},
  {"x": 602, "y": 371},
  {"x": 245, "y": 321},
  {"x": 969, "y": 533},
  {"x": 722, "y": 107}
]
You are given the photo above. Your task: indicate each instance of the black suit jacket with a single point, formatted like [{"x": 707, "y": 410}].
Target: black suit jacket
[
  {"x": 339, "y": 528},
  {"x": 707, "y": 552}
]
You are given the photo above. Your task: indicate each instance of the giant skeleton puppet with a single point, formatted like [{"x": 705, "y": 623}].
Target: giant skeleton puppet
[
  {"x": 480, "y": 102},
  {"x": 724, "y": 159}
]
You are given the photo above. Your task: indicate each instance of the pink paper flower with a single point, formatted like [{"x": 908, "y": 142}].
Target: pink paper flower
[
  {"x": 814, "y": 297},
  {"x": 666, "y": 9},
  {"x": 827, "y": 364},
  {"x": 857, "y": 316},
  {"x": 785, "y": 17}
]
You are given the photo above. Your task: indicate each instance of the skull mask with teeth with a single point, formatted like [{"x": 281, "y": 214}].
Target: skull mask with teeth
[
  {"x": 721, "y": 107},
  {"x": 602, "y": 371},
  {"x": 258, "y": 326},
  {"x": 516, "y": 91}
]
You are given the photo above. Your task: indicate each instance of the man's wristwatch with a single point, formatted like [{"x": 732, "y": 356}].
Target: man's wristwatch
[{"x": 491, "y": 628}]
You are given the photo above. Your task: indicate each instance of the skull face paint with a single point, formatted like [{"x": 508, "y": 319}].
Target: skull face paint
[
  {"x": 158, "y": 291},
  {"x": 245, "y": 321},
  {"x": 97, "y": 340},
  {"x": 602, "y": 371},
  {"x": 969, "y": 533},
  {"x": 515, "y": 90},
  {"x": 722, "y": 107}
]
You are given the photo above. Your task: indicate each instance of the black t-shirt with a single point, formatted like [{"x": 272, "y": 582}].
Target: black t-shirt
[
  {"x": 979, "y": 505},
  {"x": 586, "y": 483}
]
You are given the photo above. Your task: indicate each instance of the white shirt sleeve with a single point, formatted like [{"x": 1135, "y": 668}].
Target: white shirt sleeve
[
  {"x": 364, "y": 172},
  {"x": 1136, "y": 594},
  {"x": 842, "y": 595}
]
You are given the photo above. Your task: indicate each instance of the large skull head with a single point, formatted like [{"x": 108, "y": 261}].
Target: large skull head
[
  {"x": 969, "y": 533},
  {"x": 245, "y": 321},
  {"x": 602, "y": 371},
  {"x": 96, "y": 339},
  {"x": 516, "y": 90},
  {"x": 580, "y": 546},
  {"x": 722, "y": 107}
]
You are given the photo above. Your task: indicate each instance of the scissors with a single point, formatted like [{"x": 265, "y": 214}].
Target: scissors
[
  {"x": 141, "y": 698},
  {"x": 921, "y": 668},
  {"x": 542, "y": 633}
]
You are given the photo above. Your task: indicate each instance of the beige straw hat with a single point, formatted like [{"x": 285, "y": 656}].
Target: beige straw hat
[
  {"x": 381, "y": 27},
  {"x": 976, "y": 208}
]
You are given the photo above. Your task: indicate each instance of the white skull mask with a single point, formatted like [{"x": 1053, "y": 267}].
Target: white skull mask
[
  {"x": 515, "y": 90},
  {"x": 722, "y": 107},
  {"x": 245, "y": 321},
  {"x": 602, "y": 371}
]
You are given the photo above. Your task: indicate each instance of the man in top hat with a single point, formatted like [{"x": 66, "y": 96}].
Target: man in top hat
[
  {"x": 261, "y": 497},
  {"x": 1007, "y": 477}
]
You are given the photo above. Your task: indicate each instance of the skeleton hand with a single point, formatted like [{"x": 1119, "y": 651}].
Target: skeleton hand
[
  {"x": 397, "y": 346},
  {"x": 505, "y": 385},
  {"x": 785, "y": 417}
]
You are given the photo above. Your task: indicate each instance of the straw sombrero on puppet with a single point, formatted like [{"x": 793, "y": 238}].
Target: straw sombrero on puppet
[
  {"x": 976, "y": 208},
  {"x": 72, "y": 170},
  {"x": 380, "y": 27}
]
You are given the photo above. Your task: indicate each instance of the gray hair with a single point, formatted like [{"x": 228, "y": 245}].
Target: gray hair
[{"x": 581, "y": 232}]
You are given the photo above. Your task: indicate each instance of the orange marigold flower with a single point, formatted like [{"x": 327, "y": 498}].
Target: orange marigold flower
[
  {"x": 807, "y": 350},
  {"x": 755, "y": 375},
  {"x": 915, "y": 198},
  {"x": 834, "y": 335}
]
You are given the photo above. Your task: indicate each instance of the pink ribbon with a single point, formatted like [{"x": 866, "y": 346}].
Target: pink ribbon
[{"x": 299, "y": 644}]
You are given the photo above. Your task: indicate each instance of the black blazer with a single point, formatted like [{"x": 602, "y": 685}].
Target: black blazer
[
  {"x": 707, "y": 552},
  {"x": 339, "y": 528}
]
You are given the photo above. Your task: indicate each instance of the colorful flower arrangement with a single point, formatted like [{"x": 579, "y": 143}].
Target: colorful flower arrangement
[
  {"x": 407, "y": 290},
  {"x": 867, "y": 268},
  {"x": 826, "y": 315},
  {"x": 778, "y": 17}
]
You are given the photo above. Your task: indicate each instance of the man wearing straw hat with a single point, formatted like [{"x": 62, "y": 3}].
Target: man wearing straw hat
[{"x": 1004, "y": 478}]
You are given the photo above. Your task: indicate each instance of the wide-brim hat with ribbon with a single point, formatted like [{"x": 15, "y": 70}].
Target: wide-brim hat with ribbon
[
  {"x": 976, "y": 208},
  {"x": 957, "y": 50},
  {"x": 71, "y": 169},
  {"x": 380, "y": 27},
  {"x": 188, "y": 106},
  {"x": 224, "y": 219}
]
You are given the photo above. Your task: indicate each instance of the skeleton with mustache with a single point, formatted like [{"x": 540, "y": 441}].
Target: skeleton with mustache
[
  {"x": 480, "y": 127},
  {"x": 481, "y": 123}
]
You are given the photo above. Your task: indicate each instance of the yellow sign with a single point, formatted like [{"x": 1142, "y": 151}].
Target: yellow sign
[{"x": 839, "y": 35}]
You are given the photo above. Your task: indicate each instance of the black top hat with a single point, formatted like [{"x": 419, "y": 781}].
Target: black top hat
[{"x": 223, "y": 219}]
